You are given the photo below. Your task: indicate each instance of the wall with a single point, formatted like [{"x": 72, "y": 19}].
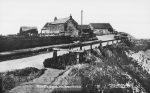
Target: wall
[
  {"x": 54, "y": 29},
  {"x": 101, "y": 31},
  {"x": 72, "y": 29}
]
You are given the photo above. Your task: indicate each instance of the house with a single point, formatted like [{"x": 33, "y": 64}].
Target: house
[
  {"x": 101, "y": 28},
  {"x": 61, "y": 27},
  {"x": 28, "y": 31}
]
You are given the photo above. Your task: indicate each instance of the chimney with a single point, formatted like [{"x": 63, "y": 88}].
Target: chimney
[
  {"x": 70, "y": 16},
  {"x": 55, "y": 18},
  {"x": 81, "y": 20},
  {"x": 81, "y": 17}
]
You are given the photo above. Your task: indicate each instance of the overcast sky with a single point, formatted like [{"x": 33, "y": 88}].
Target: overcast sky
[{"x": 132, "y": 16}]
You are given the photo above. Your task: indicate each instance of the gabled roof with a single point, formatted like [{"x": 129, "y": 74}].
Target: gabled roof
[
  {"x": 61, "y": 20},
  {"x": 26, "y": 28},
  {"x": 83, "y": 27},
  {"x": 58, "y": 21},
  {"x": 101, "y": 25},
  {"x": 46, "y": 25}
]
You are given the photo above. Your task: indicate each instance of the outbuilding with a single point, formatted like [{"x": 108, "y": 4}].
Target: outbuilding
[
  {"x": 101, "y": 28},
  {"x": 28, "y": 31}
]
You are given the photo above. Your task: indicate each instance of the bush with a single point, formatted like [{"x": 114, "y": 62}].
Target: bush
[
  {"x": 62, "y": 61},
  {"x": 12, "y": 79}
]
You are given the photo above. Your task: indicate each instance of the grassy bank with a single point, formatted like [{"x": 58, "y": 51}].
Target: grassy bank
[{"x": 12, "y": 79}]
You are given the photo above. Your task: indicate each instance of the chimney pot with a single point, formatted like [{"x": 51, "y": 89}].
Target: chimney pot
[{"x": 55, "y": 18}]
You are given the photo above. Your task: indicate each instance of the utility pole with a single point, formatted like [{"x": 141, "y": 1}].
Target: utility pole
[
  {"x": 81, "y": 16},
  {"x": 81, "y": 20}
]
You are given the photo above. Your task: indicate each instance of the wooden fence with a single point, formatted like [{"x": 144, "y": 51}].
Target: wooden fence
[
  {"x": 71, "y": 46},
  {"x": 81, "y": 47}
]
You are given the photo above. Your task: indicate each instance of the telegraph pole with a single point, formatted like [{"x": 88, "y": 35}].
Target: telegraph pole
[
  {"x": 81, "y": 17},
  {"x": 81, "y": 20}
]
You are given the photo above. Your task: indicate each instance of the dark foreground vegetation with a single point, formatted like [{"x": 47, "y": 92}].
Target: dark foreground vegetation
[
  {"x": 12, "y": 79},
  {"x": 62, "y": 61}
]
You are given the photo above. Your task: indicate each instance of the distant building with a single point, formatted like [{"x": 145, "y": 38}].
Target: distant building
[
  {"x": 101, "y": 28},
  {"x": 28, "y": 31},
  {"x": 62, "y": 27}
]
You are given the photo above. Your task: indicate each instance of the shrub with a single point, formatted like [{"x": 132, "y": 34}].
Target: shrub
[{"x": 12, "y": 79}]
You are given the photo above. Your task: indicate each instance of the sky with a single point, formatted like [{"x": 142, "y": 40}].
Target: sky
[{"x": 131, "y": 16}]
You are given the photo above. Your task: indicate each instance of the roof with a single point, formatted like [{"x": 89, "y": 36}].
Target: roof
[
  {"x": 83, "y": 27},
  {"x": 58, "y": 21},
  {"x": 46, "y": 25},
  {"x": 61, "y": 20},
  {"x": 26, "y": 28},
  {"x": 101, "y": 25}
]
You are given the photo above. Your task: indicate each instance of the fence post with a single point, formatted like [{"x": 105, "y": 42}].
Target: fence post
[
  {"x": 91, "y": 46},
  {"x": 100, "y": 44},
  {"x": 117, "y": 41},
  {"x": 78, "y": 58},
  {"x": 107, "y": 42},
  {"x": 80, "y": 47},
  {"x": 1, "y": 85},
  {"x": 55, "y": 53},
  {"x": 69, "y": 47}
]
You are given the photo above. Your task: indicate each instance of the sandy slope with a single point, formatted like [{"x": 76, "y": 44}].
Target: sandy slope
[{"x": 142, "y": 58}]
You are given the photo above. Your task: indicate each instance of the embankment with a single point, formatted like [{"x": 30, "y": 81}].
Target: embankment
[
  {"x": 14, "y": 78},
  {"x": 104, "y": 69}
]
